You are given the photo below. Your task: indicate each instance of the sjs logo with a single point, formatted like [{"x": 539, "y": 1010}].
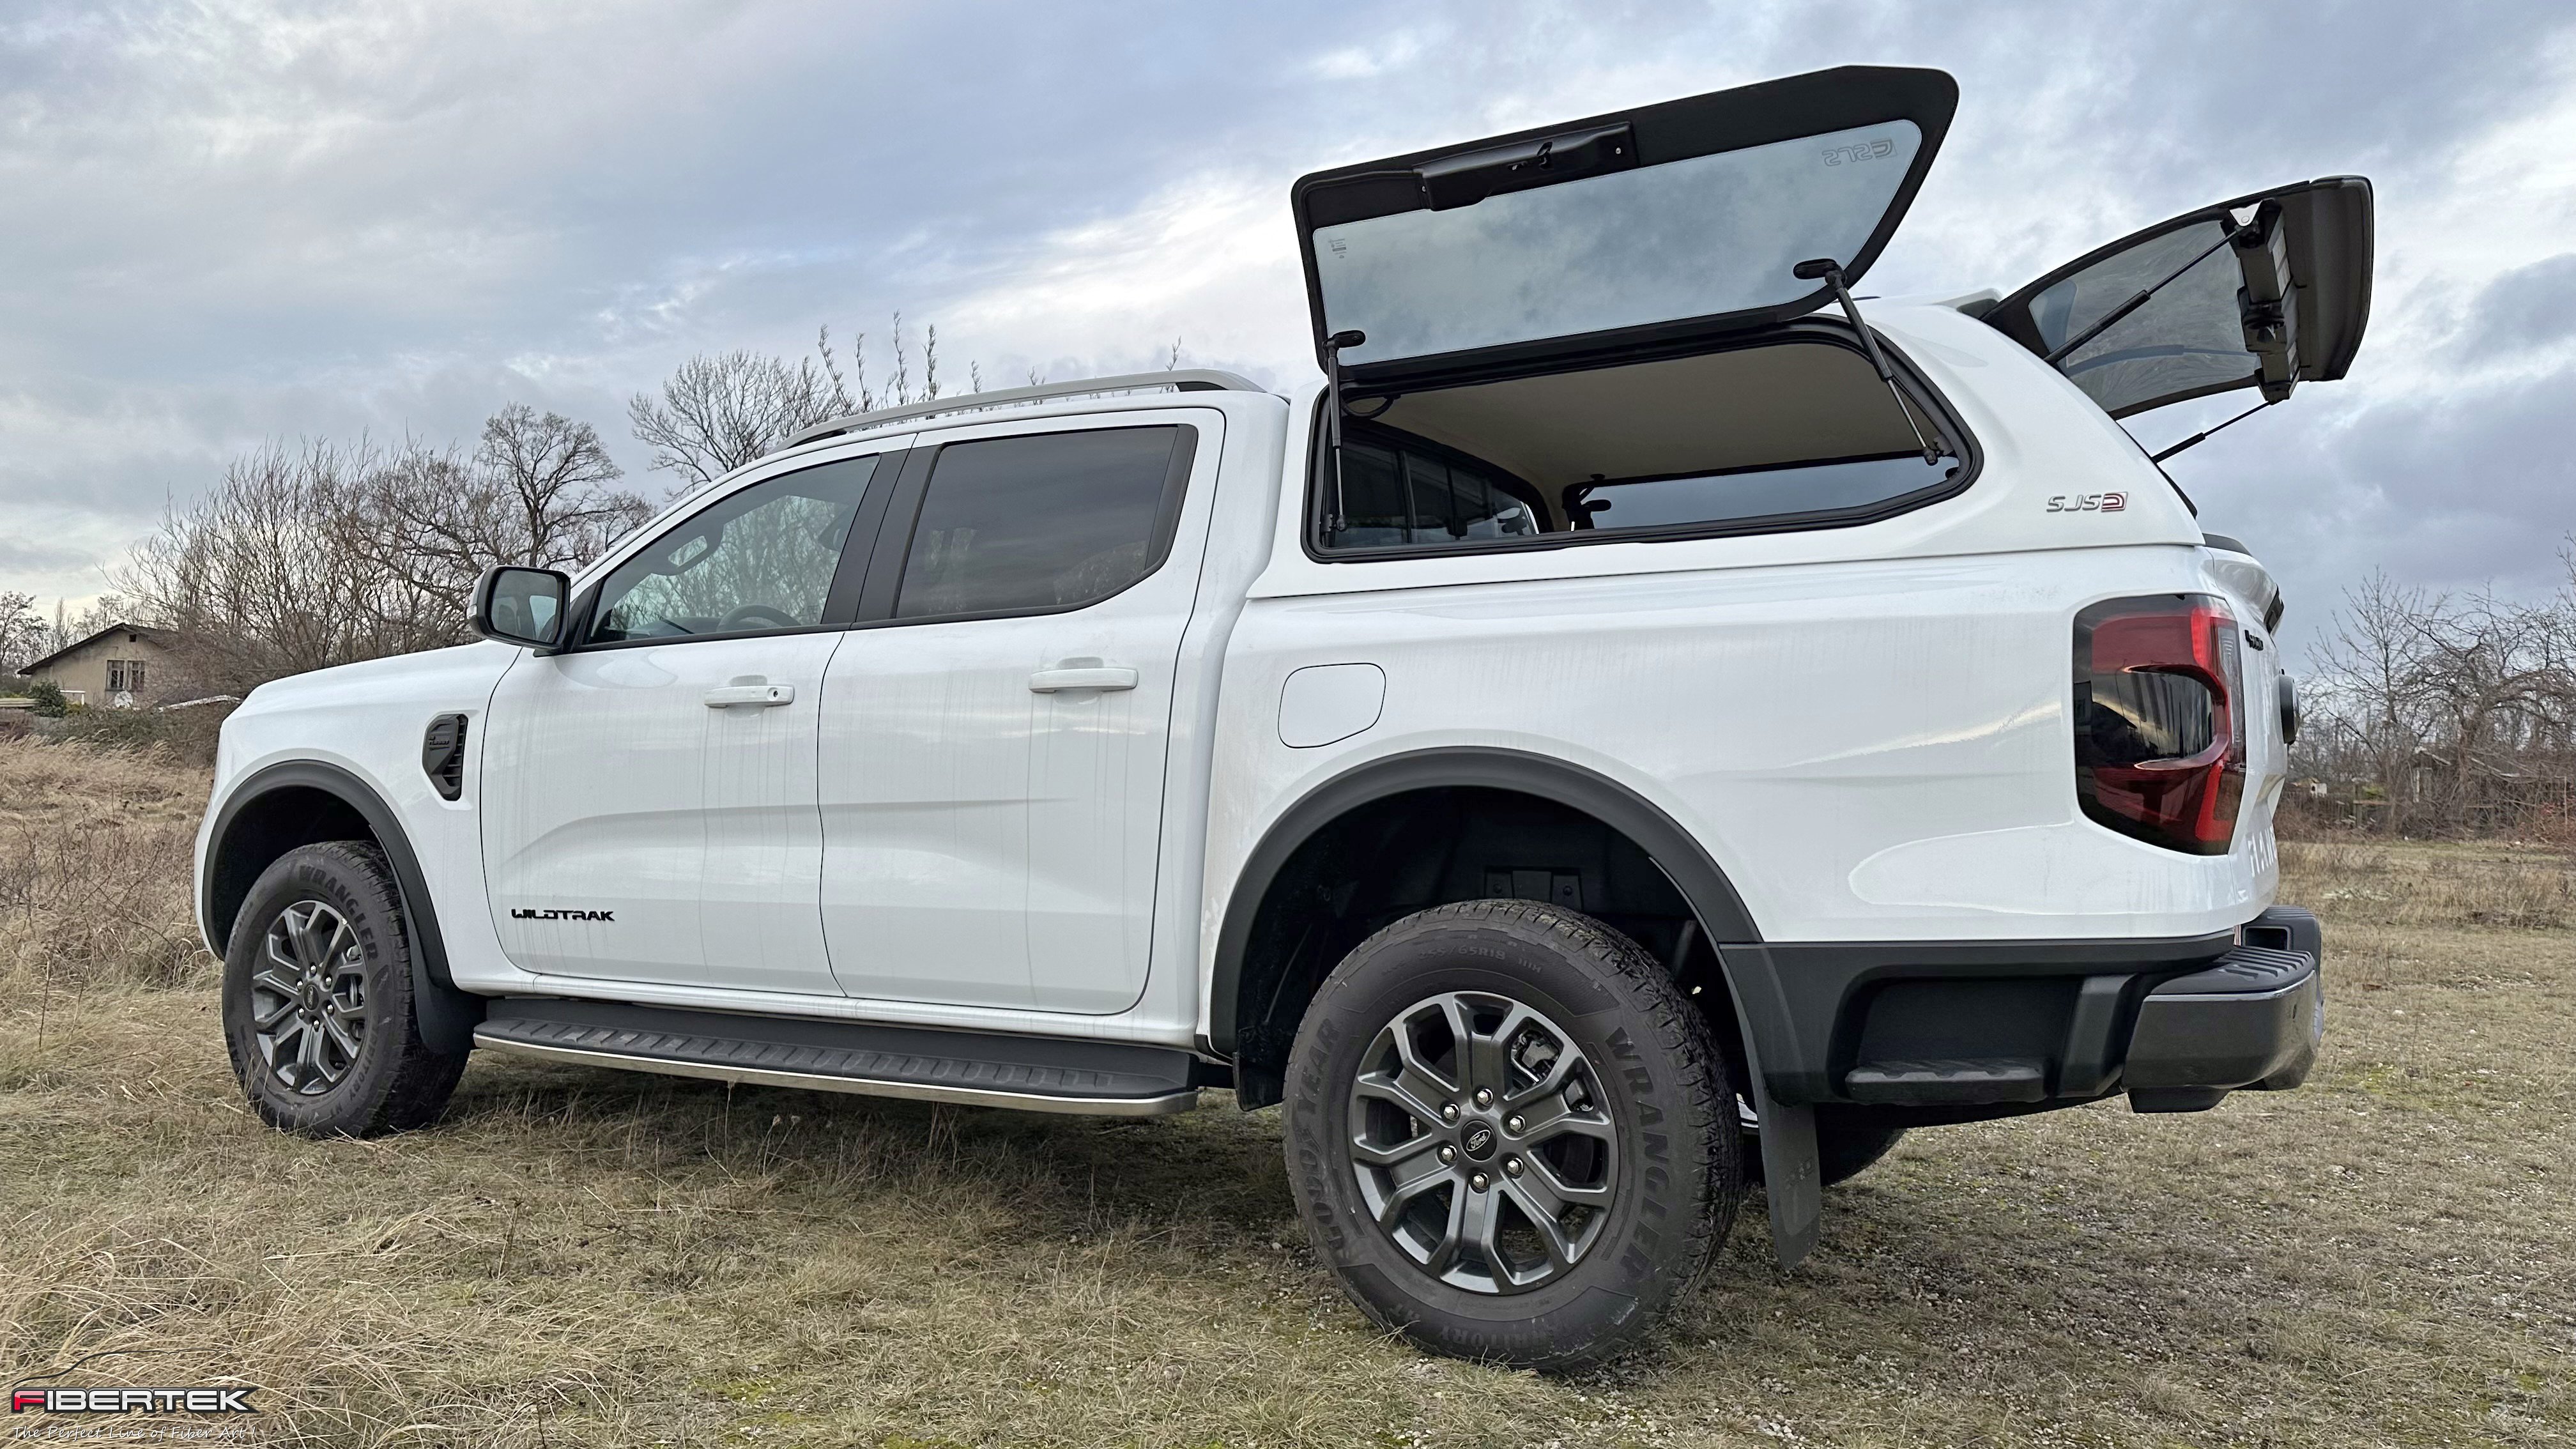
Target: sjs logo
[
  {"x": 1861, "y": 151},
  {"x": 2088, "y": 503}
]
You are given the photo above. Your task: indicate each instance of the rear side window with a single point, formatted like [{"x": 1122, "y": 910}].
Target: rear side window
[
  {"x": 1399, "y": 494},
  {"x": 1045, "y": 522}
]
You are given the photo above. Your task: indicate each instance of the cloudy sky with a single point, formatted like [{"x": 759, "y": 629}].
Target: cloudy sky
[{"x": 229, "y": 221}]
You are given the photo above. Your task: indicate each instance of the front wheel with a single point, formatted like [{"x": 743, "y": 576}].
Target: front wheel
[
  {"x": 1505, "y": 1132},
  {"x": 317, "y": 1002}
]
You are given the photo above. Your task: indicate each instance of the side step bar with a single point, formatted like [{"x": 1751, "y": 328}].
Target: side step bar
[{"x": 1037, "y": 1074}]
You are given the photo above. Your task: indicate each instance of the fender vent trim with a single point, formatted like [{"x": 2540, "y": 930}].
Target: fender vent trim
[{"x": 442, "y": 755}]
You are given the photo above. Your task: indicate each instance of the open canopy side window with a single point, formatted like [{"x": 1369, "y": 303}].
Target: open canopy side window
[
  {"x": 1666, "y": 224},
  {"x": 2265, "y": 291}
]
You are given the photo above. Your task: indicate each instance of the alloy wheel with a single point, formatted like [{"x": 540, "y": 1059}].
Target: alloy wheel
[
  {"x": 1483, "y": 1142},
  {"x": 309, "y": 998}
]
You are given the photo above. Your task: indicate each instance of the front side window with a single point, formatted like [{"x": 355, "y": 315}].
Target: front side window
[
  {"x": 757, "y": 561},
  {"x": 1042, "y": 522}
]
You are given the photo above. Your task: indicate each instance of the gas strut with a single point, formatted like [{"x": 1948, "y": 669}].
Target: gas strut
[
  {"x": 1333, "y": 346},
  {"x": 1828, "y": 271}
]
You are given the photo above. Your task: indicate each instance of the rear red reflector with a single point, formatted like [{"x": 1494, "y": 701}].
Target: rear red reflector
[{"x": 2159, "y": 724}]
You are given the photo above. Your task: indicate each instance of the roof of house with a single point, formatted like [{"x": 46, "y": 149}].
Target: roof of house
[{"x": 157, "y": 636}]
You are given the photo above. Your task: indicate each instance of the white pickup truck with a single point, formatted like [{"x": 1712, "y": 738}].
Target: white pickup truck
[{"x": 1633, "y": 726}]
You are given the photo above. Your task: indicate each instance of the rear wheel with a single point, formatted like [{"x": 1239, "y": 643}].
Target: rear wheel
[
  {"x": 1505, "y": 1134},
  {"x": 317, "y": 1001}
]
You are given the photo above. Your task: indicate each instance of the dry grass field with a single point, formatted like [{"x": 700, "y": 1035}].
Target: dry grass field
[{"x": 578, "y": 1257}]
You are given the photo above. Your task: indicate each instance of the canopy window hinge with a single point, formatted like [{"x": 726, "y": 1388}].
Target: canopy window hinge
[{"x": 1830, "y": 272}]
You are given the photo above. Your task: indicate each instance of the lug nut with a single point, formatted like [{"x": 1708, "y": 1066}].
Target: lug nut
[
  {"x": 1514, "y": 1123},
  {"x": 1449, "y": 1112},
  {"x": 1479, "y": 1182},
  {"x": 1448, "y": 1154},
  {"x": 1512, "y": 1166},
  {"x": 1484, "y": 1096}
]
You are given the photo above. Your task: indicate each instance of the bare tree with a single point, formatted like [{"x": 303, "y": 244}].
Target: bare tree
[
  {"x": 23, "y": 634},
  {"x": 324, "y": 553},
  {"x": 2438, "y": 712},
  {"x": 719, "y": 412}
]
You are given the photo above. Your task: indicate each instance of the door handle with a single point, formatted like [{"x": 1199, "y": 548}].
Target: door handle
[
  {"x": 767, "y": 696},
  {"x": 1050, "y": 681}
]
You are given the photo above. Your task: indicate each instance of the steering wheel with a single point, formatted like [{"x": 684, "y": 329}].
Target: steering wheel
[{"x": 756, "y": 614}]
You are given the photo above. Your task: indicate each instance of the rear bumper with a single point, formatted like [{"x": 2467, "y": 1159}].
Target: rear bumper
[
  {"x": 1956, "y": 1031},
  {"x": 2254, "y": 1018}
]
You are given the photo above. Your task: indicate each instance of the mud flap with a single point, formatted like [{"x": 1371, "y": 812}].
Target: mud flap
[
  {"x": 447, "y": 1016},
  {"x": 1793, "y": 1179}
]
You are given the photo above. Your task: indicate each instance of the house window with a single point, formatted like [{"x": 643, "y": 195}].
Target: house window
[{"x": 125, "y": 676}]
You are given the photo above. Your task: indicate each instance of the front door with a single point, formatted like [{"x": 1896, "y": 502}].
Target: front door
[
  {"x": 994, "y": 730},
  {"x": 649, "y": 798}
]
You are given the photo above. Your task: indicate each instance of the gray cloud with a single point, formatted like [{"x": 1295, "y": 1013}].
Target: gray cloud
[{"x": 243, "y": 219}]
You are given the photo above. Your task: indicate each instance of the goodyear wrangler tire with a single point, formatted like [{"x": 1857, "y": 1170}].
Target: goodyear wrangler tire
[
  {"x": 317, "y": 1006},
  {"x": 1508, "y": 1135}
]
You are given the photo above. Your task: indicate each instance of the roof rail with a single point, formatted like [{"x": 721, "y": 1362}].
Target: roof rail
[{"x": 1192, "y": 379}]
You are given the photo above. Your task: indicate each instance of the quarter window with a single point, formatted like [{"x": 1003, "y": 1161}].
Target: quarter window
[
  {"x": 758, "y": 561},
  {"x": 1044, "y": 522}
]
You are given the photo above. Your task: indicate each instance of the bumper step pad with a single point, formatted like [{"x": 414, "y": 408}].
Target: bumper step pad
[
  {"x": 1993, "y": 1079},
  {"x": 2253, "y": 1018},
  {"x": 1035, "y": 1074}
]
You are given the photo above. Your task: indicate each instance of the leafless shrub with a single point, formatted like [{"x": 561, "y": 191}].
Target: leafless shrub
[{"x": 95, "y": 848}]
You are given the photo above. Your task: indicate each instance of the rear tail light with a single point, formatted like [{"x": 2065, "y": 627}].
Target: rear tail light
[{"x": 2159, "y": 720}]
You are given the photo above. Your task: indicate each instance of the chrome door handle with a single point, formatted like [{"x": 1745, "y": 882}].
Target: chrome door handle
[
  {"x": 1050, "y": 681},
  {"x": 767, "y": 696}
]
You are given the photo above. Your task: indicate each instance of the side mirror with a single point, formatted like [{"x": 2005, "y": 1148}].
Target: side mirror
[{"x": 521, "y": 605}]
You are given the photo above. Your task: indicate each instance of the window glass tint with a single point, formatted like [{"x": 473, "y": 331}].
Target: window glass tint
[
  {"x": 1690, "y": 238},
  {"x": 760, "y": 559},
  {"x": 1053, "y": 521},
  {"x": 2187, "y": 338},
  {"x": 1754, "y": 493},
  {"x": 1399, "y": 496}
]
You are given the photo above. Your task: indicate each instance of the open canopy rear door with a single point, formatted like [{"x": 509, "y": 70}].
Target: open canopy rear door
[
  {"x": 1662, "y": 224},
  {"x": 2267, "y": 291}
]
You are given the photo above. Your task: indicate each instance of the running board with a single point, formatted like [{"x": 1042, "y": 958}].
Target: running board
[{"x": 1037, "y": 1074}]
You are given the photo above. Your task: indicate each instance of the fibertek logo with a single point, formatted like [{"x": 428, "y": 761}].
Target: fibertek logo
[
  {"x": 522, "y": 913},
  {"x": 132, "y": 1401},
  {"x": 2088, "y": 503}
]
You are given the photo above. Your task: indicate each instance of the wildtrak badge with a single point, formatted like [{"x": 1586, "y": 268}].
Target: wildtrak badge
[
  {"x": 2088, "y": 503},
  {"x": 522, "y": 913}
]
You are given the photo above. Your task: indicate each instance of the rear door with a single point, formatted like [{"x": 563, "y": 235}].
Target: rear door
[
  {"x": 1664, "y": 224},
  {"x": 994, "y": 730},
  {"x": 2265, "y": 291}
]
